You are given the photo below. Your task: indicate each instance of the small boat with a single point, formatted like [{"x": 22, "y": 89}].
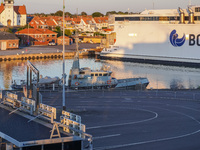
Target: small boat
[
  {"x": 17, "y": 85},
  {"x": 85, "y": 78}
]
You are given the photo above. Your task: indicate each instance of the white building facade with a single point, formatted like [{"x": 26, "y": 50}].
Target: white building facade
[{"x": 11, "y": 15}]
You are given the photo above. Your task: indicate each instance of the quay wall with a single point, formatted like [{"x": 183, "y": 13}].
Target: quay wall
[{"x": 43, "y": 55}]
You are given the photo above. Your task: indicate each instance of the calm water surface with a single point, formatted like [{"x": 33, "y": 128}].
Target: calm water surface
[{"x": 159, "y": 76}]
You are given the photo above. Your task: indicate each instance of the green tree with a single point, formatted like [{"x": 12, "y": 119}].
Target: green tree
[
  {"x": 83, "y": 13},
  {"x": 68, "y": 32},
  {"x": 120, "y": 13},
  {"x": 24, "y": 27},
  {"x": 58, "y": 30},
  {"x": 97, "y": 14},
  {"x": 111, "y": 12},
  {"x": 68, "y": 14},
  {"x": 59, "y": 13}
]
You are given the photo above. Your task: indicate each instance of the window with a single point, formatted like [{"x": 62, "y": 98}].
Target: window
[
  {"x": 14, "y": 45},
  {"x": 92, "y": 74},
  {"x": 105, "y": 74},
  {"x": 82, "y": 72},
  {"x": 100, "y": 74},
  {"x": 157, "y": 18},
  {"x": 197, "y": 9},
  {"x": 96, "y": 74}
]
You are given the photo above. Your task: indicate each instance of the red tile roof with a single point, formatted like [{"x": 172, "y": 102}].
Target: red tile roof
[
  {"x": 1, "y": 8},
  {"x": 35, "y": 31},
  {"x": 101, "y": 19},
  {"x": 20, "y": 9}
]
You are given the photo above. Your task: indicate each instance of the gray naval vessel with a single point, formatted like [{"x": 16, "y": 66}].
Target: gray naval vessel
[
  {"x": 85, "y": 78},
  {"x": 82, "y": 78}
]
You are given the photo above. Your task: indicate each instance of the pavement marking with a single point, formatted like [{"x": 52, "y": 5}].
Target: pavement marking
[
  {"x": 188, "y": 108},
  {"x": 145, "y": 142},
  {"x": 106, "y": 136},
  {"x": 128, "y": 123},
  {"x": 156, "y": 140}
]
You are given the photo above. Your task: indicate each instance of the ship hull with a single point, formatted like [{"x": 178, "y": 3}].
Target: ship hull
[{"x": 153, "y": 43}]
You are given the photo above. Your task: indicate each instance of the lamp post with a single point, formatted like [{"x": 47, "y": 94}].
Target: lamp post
[{"x": 64, "y": 76}]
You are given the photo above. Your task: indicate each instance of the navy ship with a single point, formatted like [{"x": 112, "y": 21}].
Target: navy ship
[{"x": 82, "y": 78}]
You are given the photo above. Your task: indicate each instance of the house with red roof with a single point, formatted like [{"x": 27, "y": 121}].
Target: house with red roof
[
  {"x": 101, "y": 22},
  {"x": 43, "y": 22},
  {"x": 11, "y": 15},
  {"x": 33, "y": 36}
]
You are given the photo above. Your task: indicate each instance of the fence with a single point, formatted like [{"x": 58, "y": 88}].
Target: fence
[
  {"x": 47, "y": 112},
  {"x": 24, "y": 104},
  {"x": 179, "y": 94},
  {"x": 28, "y": 105},
  {"x": 73, "y": 124}
]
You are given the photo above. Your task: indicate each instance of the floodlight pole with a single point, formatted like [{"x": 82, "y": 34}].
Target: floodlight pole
[{"x": 64, "y": 76}]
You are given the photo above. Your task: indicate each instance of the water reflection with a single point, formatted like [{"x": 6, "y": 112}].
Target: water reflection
[{"x": 159, "y": 76}]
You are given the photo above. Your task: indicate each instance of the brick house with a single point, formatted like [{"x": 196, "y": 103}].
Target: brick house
[
  {"x": 8, "y": 41},
  {"x": 33, "y": 36},
  {"x": 60, "y": 40}
]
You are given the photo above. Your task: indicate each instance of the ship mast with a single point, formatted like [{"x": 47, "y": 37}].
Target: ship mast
[{"x": 76, "y": 65}]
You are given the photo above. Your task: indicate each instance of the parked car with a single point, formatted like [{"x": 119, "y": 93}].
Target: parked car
[{"x": 51, "y": 43}]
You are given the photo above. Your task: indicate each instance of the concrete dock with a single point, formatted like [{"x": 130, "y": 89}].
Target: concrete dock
[
  {"x": 40, "y": 52},
  {"x": 136, "y": 120}
]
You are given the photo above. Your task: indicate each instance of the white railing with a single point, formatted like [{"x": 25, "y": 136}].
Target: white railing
[
  {"x": 47, "y": 112},
  {"x": 71, "y": 116},
  {"x": 73, "y": 124},
  {"x": 28, "y": 105}
]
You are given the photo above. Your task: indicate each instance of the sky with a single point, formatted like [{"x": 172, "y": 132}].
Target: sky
[{"x": 103, "y": 6}]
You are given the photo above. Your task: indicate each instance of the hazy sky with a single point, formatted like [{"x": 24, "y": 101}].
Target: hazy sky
[{"x": 90, "y": 6}]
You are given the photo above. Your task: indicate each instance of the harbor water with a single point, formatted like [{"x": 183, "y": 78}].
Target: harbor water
[{"x": 160, "y": 77}]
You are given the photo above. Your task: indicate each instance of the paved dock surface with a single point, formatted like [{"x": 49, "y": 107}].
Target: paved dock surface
[
  {"x": 20, "y": 129},
  {"x": 136, "y": 120},
  {"x": 47, "y": 49}
]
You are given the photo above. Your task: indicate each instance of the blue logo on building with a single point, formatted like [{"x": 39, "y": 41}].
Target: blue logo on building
[{"x": 175, "y": 41}]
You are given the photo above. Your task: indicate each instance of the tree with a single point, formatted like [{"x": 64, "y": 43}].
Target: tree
[
  {"x": 120, "y": 13},
  {"x": 110, "y": 13},
  {"x": 68, "y": 14},
  {"x": 68, "y": 32},
  {"x": 58, "y": 30},
  {"x": 24, "y": 27},
  {"x": 59, "y": 13},
  {"x": 97, "y": 14},
  {"x": 83, "y": 13}
]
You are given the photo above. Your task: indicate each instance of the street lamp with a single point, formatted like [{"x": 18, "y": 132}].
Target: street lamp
[{"x": 64, "y": 76}]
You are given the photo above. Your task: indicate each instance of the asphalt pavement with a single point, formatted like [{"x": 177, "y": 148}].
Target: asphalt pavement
[
  {"x": 47, "y": 49},
  {"x": 136, "y": 120}
]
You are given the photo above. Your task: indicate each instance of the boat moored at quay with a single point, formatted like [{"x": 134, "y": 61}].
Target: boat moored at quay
[{"x": 168, "y": 36}]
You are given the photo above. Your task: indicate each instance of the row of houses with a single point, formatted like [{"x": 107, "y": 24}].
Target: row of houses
[
  {"x": 82, "y": 23},
  {"x": 33, "y": 36}
]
